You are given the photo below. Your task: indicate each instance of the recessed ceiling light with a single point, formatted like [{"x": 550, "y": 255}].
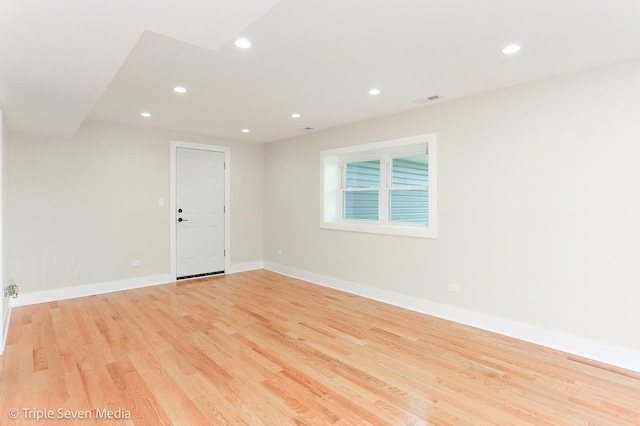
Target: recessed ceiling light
[
  {"x": 511, "y": 49},
  {"x": 145, "y": 114},
  {"x": 374, "y": 91},
  {"x": 243, "y": 43},
  {"x": 245, "y": 130},
  {"x": 179, "y": 89},
  {"x": 295, "y": 115}
]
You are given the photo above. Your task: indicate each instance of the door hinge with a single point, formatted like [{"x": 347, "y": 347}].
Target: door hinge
[
  {"x": 224, "y": 209},
  {"x": 225, "y": 252},
  {"x": 224, "y": 165}
]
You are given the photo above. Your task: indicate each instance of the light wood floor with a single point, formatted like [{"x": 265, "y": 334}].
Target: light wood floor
[{"x": 260, "y": 348}]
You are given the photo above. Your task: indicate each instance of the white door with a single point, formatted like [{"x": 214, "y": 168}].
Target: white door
[{"x": 199, "y": 212}]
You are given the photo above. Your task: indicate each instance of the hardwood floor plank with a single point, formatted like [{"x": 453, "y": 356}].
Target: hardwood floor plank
[{"x": 258, "y": 348}]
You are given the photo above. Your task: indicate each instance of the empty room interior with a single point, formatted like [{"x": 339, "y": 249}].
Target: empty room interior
[{"x": 364, "y": 212}]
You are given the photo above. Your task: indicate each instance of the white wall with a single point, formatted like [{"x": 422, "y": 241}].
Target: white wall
[
  {"x": 82, "y": 208},
  {"x": 539, "y": 207}
]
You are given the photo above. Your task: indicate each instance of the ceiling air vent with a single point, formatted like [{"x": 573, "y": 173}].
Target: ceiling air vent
[{"x": 429, "y": 99}]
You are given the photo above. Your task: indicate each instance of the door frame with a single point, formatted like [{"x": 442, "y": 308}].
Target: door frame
[{"x": 174, "y": 145}]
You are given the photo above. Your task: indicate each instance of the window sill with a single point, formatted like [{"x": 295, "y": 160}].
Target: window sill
[{"x": 373, "y": 228}]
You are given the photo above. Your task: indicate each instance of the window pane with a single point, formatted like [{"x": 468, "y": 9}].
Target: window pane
[
  {"x": 409, "y": 206},
  {"x": 410, "y": 171},
  {"x": 363, "y": 174},
  {"x": 361, "y": 205}
]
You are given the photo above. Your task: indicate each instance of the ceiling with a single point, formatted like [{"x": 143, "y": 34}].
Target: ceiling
[{"x": 66, "y": 61}]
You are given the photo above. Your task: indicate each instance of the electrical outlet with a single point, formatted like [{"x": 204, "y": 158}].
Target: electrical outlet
[
  {"x": 454, "y": 288},
  {"x": 11, "y": 290},
  {"x": 135, "y": 263}
]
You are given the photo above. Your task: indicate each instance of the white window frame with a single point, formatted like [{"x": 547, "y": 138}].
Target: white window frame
[{"x": 331, "y": 185}]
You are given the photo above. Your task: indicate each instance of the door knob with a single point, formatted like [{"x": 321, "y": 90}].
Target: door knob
[
  {"x": 179, "y": 210},
  {"x": 182, "y": 220}
]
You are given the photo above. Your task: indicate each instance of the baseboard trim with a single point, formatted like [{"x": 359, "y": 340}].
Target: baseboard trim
[
  {"x": 5, "y": 331},
  {"x": 244, "y": 267},
  {"x": 591, "y": 349},
  {"x": 109, "y": 287},
  {"x": 25, "y": 299},
  {"x": 46, "y": 296}
]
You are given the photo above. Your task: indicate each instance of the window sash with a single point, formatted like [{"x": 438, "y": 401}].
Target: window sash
[{"x": 360, "y": 177}]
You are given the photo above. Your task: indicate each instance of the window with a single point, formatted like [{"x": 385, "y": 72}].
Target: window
[{"x": 383, "y": 187}]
